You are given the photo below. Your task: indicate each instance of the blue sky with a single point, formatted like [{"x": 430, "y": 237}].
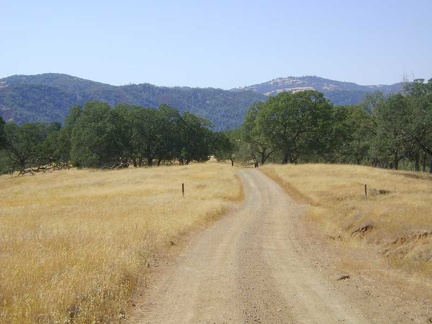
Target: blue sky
[{"x": 222, "y": 44}]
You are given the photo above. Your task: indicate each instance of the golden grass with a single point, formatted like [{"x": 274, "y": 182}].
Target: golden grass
[
  {"x": 73, "y": 243},
  {"x": 396, "y": 217}
]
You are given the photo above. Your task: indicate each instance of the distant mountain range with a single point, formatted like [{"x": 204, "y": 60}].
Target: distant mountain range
[
  {"x": 340, "y": 93},
  {"x": 48, "y": 97}
]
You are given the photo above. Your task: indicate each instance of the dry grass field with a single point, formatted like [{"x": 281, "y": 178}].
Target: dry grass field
[
  {"x": 73, "y": 243},
  {"x": 396, "y": 218}
]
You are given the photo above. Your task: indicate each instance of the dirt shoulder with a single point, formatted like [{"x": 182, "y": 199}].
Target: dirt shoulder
[{"x": 265, "y": 263}]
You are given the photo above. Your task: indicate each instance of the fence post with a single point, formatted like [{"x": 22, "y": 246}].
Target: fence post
[
  {"x": 366, "y": 192},
  {"x": 183, "y": 189}
]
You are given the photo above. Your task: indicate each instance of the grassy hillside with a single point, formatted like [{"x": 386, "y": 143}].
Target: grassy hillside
[
  {"x": 395, "y": 219},
  {"x": 74, "y": 243}
]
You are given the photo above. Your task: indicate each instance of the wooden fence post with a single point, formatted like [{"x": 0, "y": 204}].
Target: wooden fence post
[
  {"x": 366, "y": 192},
  {"x": 183, "y": 189}
]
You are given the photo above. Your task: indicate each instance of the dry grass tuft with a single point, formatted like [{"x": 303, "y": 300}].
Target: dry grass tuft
[
  {"x": 396, "y": 217},
  {"x": 73, "y": 243}
]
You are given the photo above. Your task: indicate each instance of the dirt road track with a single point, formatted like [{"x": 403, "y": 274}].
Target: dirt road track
[{"x": 249, "y": 267}]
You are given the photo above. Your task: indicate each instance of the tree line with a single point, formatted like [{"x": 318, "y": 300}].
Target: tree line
[
  {"x": 391, "y": 131},
  {"x": 99, "y": 136}
]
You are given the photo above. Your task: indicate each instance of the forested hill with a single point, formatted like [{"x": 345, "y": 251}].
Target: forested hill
[
  {"x": 48, "y": 97},
  {"x": 340, "y": 93}
]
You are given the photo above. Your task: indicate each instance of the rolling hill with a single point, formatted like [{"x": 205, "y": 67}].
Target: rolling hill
[
  {"x": 48, "y": 97},
  {"x": 340, "y": 93}
]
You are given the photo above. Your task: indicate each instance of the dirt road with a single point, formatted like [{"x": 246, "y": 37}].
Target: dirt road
[{"x": 253, "y": 266}]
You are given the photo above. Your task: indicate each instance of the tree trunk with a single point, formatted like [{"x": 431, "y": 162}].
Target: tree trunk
[
  {"x": 430, "y": 164},
  {"x": 396, "y": 160},
  {"x": 294, "y": 159},
  {"x": 358, "y": 161},
  {"x": 22, "y": 163},
  {"x": 263, "y": 157},
  {"x": 417, "y": 161}
]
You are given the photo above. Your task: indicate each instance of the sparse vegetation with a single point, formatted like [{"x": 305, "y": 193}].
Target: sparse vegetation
[
  {"x": 73, "y": 244},
  {"x": 395, "y": 219}
]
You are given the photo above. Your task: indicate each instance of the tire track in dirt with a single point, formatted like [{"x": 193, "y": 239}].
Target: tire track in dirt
[{"x": 248, "y": 267}]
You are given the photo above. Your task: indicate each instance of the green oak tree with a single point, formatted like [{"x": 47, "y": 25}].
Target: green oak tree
[
  {"x": 2, "y": 133},
  {"x": 419, "y": 96},
  {"x": 296, "y": 124},
  {"x": 258, "y": 148},
  {"x": 95, "y": 141},
  {"x": 29, "y": 144},
  {"x": 226, "y": 145},
  {"x": 195, "y": 138},
  {"x": 392, "y": 143}
]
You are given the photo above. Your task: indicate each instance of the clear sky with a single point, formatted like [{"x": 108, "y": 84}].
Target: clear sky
[{"x": 220, "y": 43}]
